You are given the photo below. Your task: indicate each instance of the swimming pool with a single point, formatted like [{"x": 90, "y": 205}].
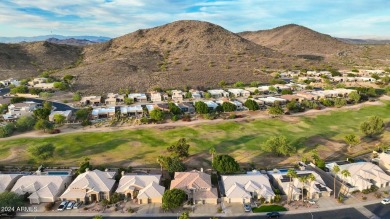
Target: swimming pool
[
  {"x": 58, "y": 173},
  {"x": 283, "y": 170}
]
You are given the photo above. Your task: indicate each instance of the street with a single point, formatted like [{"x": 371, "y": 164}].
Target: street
[
  {"x": 348, "y": 213},
  {"x": 380, "y": 210}
]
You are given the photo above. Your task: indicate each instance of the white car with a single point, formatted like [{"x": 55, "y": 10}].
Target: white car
[
  {"x": 70, "y": 205},
  {"x": 62, "y": 206},
  {"x": 311, "y": 201},
  {"x": 386, "y": 201}
]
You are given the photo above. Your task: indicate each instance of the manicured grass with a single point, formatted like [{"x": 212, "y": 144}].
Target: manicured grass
[
  {"x": 269, "y": 208},
  {"x": 243, "y": 140}
]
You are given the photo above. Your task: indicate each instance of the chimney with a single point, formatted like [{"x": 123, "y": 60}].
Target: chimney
[
  {"x": 86, "y": 169},
  {"x": 123, "y": 173},
  {"x": 201, "y": 169},
  {"x": 106, "y": 170}
]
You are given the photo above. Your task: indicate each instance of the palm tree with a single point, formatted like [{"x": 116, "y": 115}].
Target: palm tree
[
  {"x": 212, "y": 151},
  {"x": 345, "y": 174},
  {"x": 303, "y": 180},
  {"x": 310, "y": 178},
  {"x": 292, "y": 174},
  {"x": 160, "y": 160},
  {"x": 336, "y": 170}
]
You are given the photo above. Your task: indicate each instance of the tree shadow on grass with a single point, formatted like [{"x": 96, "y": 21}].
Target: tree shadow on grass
[
  {"x": 96, "y": 148},
  {"x": 232, "y": 145}
]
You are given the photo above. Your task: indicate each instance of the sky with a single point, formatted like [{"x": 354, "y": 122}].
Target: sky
[{"x": 112, "y": 18}]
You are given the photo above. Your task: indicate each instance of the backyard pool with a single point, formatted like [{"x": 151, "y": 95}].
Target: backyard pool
[
  {"x": 283, "y": 170},
  {"x": 58, "y": 173}
]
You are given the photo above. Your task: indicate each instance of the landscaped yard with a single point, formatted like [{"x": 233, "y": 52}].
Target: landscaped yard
[
  {"x": 243, "y": 140},
  {"x": 268, "y": 208}
]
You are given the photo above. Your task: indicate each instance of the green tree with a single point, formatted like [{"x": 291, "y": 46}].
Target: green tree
[
  {"x": 335, "y": 170},
  {"x": 327, "y": 102},
  {"x": 387, "y": 90},
  {"x": 273, "y": 89},
  {"x": 83, "y": 114},
  {"x": 201, "y": 107},
  {"x": 279, "y": 146},
  {"x": 354, "y": 96},
  {"x": 60, "y": 85},
  {"x": 239, "y": 84},
  {"x": 303, "y": 180},
  {"x": 175, "y": 110},
  {"x": 188, "y": 95},
  {"x": 345, "y": 174},
  {"x": 76, "y": 96},
  {"x": 172, "y": 164},
  {"x": 275, "y": 110},
  {"x": 42, "y": 114},
  {"x": 173, "y": 198},
  {"x": 22, "y": 89},
  {"x": 351, "y": 140},
  {"x": 286, "y": 91},
  {"x": 254, "y": 84},
  {"x": 84, "y": 164},
  {"x": 128, "y": 101},
  {"x": 225, "y": 164},
  {"x": 6, "y": 130},
  {"x": 17, "y": 100},
  {"x": 25, "y": 123},
  {"x": 41, "y": 152},
  {"x": 339, "y": 102},
  {"x": 207, "y": 95},
  {"x": 98, "y": 217},
  {"x": 222, "y": 83},
  {"x": 59, "y": 118},
  {"x": 11, "y": 200},
  {"x": 157, "y": 115},
  {"x": 228, "y": 107},
  {"x": 43, "y": 124},
  {"x": 374, "y": 126},
  {"x": 293, "y": 106},
  {"x": 184, "y": 215},
  {"x": 251, "y": 105},
  {"x": 180, "y": 148},
  {"x": 68, "y": 78}
]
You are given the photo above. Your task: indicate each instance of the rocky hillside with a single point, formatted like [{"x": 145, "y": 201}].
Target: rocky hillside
[
  {"x": 297, "y": 40},
  {"x": 30, "y": 59},
  {"x": 175, "y": 55}
]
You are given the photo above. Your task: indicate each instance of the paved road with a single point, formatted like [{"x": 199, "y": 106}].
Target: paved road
[
  {"x": 380, "y": 210},
  {"x": 348, "y": 213},
  {"x": 4, "y": 91}
]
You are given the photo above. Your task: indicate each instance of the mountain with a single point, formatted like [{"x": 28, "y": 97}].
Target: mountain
[
  {"x": 297, "y": 40},
  {"x": 71, "y": 41},
  {"x": 96, "y": 39},
  {"x": 175, "y": 55},
  {"x": 26, "y": 60},
  {"x": 364, "y": 41}
]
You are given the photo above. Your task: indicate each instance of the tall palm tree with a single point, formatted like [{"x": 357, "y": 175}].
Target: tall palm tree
[
  {"x": 292, "y": 174},
  {"x": 160, "y": 160},
  {"x": 212, "y": 151},
  {"x": 336, "y": 170},
  {"x": 345, "y": 174},
  {"x": 310, "y": 178},
  {"x": 303, "y": 180}
]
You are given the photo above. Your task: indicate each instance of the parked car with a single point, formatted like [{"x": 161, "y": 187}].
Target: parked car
[
  {"x": 311, "y": 201},
  {"x": 70, "y": 205},
  {"x": 247, "y": 208},
  {"x": 273, "y": 214},
  {"x": 62, "y": 206},
  {"x": 386, "y": 201},
  {"x": 77, "y": 205}
]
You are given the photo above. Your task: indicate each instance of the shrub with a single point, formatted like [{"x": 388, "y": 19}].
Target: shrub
[
  {"x": 364, "y": 198},
  {"x": 49, "y": 206},
  {"x": 130, "y": 210},
  {"x": 378, "y": 195},
  {"x": 219, "y": 210}
]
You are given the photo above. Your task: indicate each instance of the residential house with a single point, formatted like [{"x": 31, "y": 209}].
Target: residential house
[
  {"x": 108, "y": 112},
  {"x": 197, "y": 185},
  {"x": 363, "y": 175},
  {"x": 41, "y": 188},
  {"x": 44, "y": 86},
  {"x": 91, "y": 186},
  {"x": 4, "y": 101},
  {"x": 239, "y": 92},
  {"x": 131, "y": 110},
  {"x": 162, "y": 106},
  {"x": 17, "y": 110},
  {"x": 216, "y": 94},
  {"x": 293, "y": 187},
  {"x": 91, "y": 100},
  {"x": 113, "y": 99},
  {"x": 150, "y": 107},
  {"x": 186, "y": 107},
  {"x": 67, "y": 114},
  {"x": 158, "y": 96},
  {"x": 211, "y": 105},
  {"x": 37, "y": 81},
  {"x": 272, "y": 100},
  {"x": 290, "y": 97},
  {"x": 196, "y": 94},
  {"x": 384, "y": 161},
  {"x": 138, "y": 97},
  {"x": 238, "y": 104},
  {"x": 7, "y": 181},
  {"x": 145, "y": 188},
  {"x": 177, "y": 95},
  {"x": 307, "y": 95},
  {"x": 9, "y": 82},
  {"x": 244, "y": 188}
]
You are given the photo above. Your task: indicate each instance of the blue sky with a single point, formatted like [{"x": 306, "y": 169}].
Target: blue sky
[{"x": 341, "y": 18}]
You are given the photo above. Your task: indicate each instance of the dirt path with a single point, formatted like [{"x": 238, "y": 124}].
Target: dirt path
[
  {"x": 248, "y": 116},
  {"x": 14, "y": 154}
]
